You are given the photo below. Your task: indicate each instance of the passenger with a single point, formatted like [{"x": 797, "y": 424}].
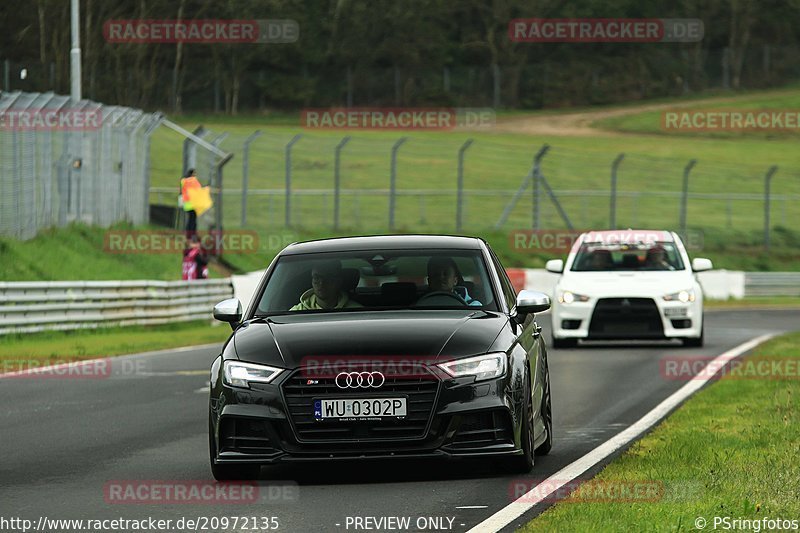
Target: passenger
[
  {"x": 657, "y": 259},
  {"x": 443, "y": 276},
  {"x": 601, "y": 260},
  {"x": 326, "y": 289}
]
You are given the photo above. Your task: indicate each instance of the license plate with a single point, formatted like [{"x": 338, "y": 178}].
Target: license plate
[
  {"x": 673, "y": 312},
  {"x": 372, "y": 408}
]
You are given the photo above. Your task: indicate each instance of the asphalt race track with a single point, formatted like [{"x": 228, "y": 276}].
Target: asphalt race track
[{"x": 64, "y": 440}]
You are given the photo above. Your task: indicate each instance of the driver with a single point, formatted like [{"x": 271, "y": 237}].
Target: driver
[
  {"x": 443, "y": 276},
  {"x": 326, "y": 289},
  {"x": 656, "y": 259}
]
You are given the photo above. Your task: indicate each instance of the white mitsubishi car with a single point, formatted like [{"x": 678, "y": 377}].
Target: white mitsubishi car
[{"x": 628, "y": 284}]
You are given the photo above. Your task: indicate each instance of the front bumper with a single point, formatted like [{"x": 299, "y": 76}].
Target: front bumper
[
  {"x": 640, "y": 318},
  {"x": 260, "y": 425}
]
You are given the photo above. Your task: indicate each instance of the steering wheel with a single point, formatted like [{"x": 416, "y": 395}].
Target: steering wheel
[{"x": 441, "y": 295}]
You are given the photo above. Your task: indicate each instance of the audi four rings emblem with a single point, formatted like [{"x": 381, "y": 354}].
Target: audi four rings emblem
[{"x": 356, "y": 380}]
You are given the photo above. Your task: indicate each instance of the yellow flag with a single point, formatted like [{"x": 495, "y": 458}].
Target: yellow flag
[{"x": 200, "y": 199}]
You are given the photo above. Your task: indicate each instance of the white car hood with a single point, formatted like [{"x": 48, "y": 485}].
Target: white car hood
[{"x": 620, "y": 284}]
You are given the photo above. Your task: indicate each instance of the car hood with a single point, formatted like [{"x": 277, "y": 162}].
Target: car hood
[
  {"x": 284, "y": 340},
  {"x": 631, "y": 284}
]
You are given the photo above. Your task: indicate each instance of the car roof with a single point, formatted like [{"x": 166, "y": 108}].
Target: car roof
[{"x": 384, "y": 242}]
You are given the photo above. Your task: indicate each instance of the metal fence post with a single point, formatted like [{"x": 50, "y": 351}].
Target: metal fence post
[
  {"x": 460, "y": 184},
  {"x": 685, "y": 193},
  {"x": 614, "y": 168},
  {"x": 537, "y": 173},
  {"x": 393, "y": 180},
  {"x": 190, "y": 150},
  {"x": 337, "y": 180},
  {"x": 246, "y": 172},
  {"x": 217, "y": 177},
  {"x": 767, "y": 180},
  {"x": 518, "y": 194},
  {"x": 148, "y": 134},
  {"x": 288, "y": 170}
]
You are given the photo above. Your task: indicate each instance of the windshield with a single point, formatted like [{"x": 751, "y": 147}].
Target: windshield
[
  {"x": 386, "y": 279},
  {"x": 627, "y": 257}
]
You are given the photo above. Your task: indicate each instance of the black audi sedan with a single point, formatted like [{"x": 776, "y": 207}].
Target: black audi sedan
[{"x": 381, "y": 347}]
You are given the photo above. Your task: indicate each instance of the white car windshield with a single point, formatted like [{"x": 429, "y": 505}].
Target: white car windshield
[{"x": 650, "y": 256}]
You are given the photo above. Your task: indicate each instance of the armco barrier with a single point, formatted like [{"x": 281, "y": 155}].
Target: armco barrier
[
  {"x": 717, "y": 284},
  {"x": 60, "y": 305},
  {"x": 772, "y": 283}
]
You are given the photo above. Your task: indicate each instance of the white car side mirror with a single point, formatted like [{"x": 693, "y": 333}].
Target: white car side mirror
[
  {"x": 701, "y": 264},
  {"x": 556, "y": 266}
]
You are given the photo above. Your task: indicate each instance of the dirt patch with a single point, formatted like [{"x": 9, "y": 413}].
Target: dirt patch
[{"x": 580, "y": 124}]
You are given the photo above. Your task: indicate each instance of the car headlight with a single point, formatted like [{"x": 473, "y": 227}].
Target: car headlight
[
  {"x": 238, "y": 374},
  {"x": 567, "y": 297},
  {"x": 491, "y": 365},
  {"x": 681, "y": 296}
]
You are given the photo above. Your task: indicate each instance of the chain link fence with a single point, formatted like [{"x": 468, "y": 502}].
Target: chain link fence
[
  {"x": 62, "y": 162},
  {"x": 493, "y": 188}
]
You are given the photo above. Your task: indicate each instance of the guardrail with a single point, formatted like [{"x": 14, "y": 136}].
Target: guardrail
[
  {"x": 61, "y": 305},
  {"x": 772, "y": 283},
  {"x": 717, "y": 284}
]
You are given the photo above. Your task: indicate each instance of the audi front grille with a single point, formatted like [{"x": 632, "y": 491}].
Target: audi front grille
[{"x": 421, "y": 393}]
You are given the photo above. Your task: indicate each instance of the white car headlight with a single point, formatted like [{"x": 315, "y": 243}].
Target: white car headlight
[
  {"x": 238, "y": 374},
  {"x": 681, "y": 296},
  {"x": 491, "y": 365},
  {"x": 567, "y": 297}
]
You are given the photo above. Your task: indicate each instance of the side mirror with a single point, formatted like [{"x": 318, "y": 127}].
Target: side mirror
[
  {"x": 532, "y": 302},
  {"x": 556, "y": 266},
  {"x": 701, "y": 264},
  {"x": 229, "y": 311}
]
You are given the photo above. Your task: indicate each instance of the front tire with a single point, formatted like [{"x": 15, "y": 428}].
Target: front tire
[
  {"x": 523, "y": 464},
  {"x": 547, "y": 415},
  {"x": 564, "y": 343},
  {"x": 695, "y": 342}
]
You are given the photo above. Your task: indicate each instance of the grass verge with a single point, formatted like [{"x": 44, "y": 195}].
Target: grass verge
[
  {"x": 765, "y": 302},
  {"x": 81, "y": 256},
  {"x": 734, "y": 444},
  {"x": 29, "y": 349}
]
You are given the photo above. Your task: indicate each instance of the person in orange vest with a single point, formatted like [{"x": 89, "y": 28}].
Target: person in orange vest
[{"x": 187, "y": 183}]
